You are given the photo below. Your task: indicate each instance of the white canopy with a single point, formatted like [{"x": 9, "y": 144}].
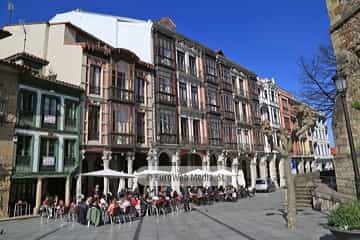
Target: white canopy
[
  {"x": 149, "y": 172},
  {"x": 108, "y": 173},
  {"x": 198, "y": 172},
  {"x": 223, "y": 172}
]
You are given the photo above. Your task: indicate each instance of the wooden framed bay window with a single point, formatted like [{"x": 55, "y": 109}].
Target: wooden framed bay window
[{"x": 48, "y": 154}]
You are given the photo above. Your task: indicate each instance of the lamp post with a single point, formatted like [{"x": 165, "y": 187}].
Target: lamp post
[{"x": 340, "y": 82}]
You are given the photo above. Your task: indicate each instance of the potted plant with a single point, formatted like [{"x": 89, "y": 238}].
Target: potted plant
[{"x": 344, "y": 221}]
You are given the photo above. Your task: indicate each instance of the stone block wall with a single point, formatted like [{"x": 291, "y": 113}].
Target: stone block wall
[{"x": 345, "y": 35}]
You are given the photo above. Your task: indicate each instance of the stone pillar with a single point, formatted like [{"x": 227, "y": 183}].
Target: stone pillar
[
  {"x": 38, "y": 195},
  {"x": 308, "y": 166},
  {"x": 300, "y": 166},
  {"x": 263, "y": 167},
  {"x": 282, "y": 172},
  {"x": 130, "y": 157},
  {"x": 253, "y": 171},
  {"x": 220, "y": 165},
  {"x": 175, "y": 183},
  {"x": 67, "y": 190},
  {"x": 60, "y": 163},
  {"x": 273, "y": 175},
  {"x": 79, "y": 179},
  {"x": 234, "y": 170},
  {"x": 106, "y": 160},
  {"x": 206, "y": 167},
  {"x": 36, "y": 156}
]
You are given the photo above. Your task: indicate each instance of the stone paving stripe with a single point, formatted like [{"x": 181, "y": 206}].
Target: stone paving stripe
[
  {"x": 138, "y": 229},
  {"x": 51, "y": 232},
  {"x": 226, "y": 225}
]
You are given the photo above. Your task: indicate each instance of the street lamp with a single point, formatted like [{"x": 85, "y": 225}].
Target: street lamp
[{"x": 340, "y": 82}]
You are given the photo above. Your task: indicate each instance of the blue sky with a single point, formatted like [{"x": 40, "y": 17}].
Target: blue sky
[{"x": 267, "y": 37}]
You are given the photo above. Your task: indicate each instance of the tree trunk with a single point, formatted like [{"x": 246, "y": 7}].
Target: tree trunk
[{"x": 291, "y": 195}]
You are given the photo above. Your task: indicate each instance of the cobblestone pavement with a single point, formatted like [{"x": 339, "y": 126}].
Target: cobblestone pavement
[{"x": 258, "y": 218}]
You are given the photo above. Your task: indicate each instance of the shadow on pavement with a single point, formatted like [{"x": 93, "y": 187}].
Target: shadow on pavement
[
  {"x": 327, "y": 237},
  {"x": 226, "y": 225}
]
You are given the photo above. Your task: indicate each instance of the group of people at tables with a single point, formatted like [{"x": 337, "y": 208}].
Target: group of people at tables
[{"x": 129, "y": 205}]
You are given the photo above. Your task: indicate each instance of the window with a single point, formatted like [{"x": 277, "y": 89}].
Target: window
[
  {"x": 123, "y": 123},
  {"x": 27, "y": 102},
  {"x": 3, "y": 108},
  {"x": 70, "y": 114},
  {"x": 93, "y": 125},
  {"x": 69, "y": 152},
  {"x": 265, "y": 94},
  {"x": 182, "y": 93},
  {"x": 140, "y": 127},
  {"x": 48, "y": 154},
  {"x": 95, "y": 76},
  {"x": 194, "y": 96},
  {"x": 140, "y": 88},
  {"x": 287, "y": 123},
  {"x": 181, "y": 61},
  {"x": 196, "y": 131},
  {"x": 215, "y": 131},
  {"x": 276, "y": 120},
  {"x": 212, "y": 97},
  {"x": 184, "y": 130},
  {"x": 165, "y": 51},
  {"x": 272, "y": 96},
  {"x": 120, "y": 80},
  {"x": 23, "y": 150},
  {"x": 192, "y": 65},
  {"x": 244, "y": 112},
  {"x": 167, "y": 122},
  {"x": 49, "y": 111},
  {"x": 227, "y": 103},
  {"x": 226, "y": 74},
  {"x": 284, "y": 103},
  {"x": 165, "y": 81},
  {"x": 210, "y": 69}
]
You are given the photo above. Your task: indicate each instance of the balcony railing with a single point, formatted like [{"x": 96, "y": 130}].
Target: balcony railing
[
  {"x": 69, "y": 161},
  {"x": 94, "y": 90},
  {"x": 229, "y": 115},
  {"x": 140, "y": 139},
  {"x": 183, "y": 102},
  {"x": 70, "y": 124},
  {"x": 167, "y": 138},
  {"x": 184, "y": 140},
  {"x": 259, "y": 147},
  {"x": 122, "y": 139},
  {"x": 226, "y": 86},
  {"x": 215, "y": 141},
  {"x": 140, "y": 99},
  {"x": 23, "y": 163},
  {"x": 196, "y": 140},
  {"x": 123, "y": 95},
  {"x": 167, "y": 98},
  {"x": 26, "y": 119},
  {"x": 211, "y": 78},
  {"x": 213, "y": 108}
]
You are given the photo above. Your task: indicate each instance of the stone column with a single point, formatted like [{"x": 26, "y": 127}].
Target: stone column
[
  {"x": 67, "y": 190},
  {"x": 220, "y": 165},
  {"x": 307, "y": 166},
  {"x": 234, "y": 170},
  {"x": 206, "y": 167},
  {"x": 263, "y": 168},
  {"x": 253, "y": 171},
  {"x": 273, "y": 170},
  {"x": 106, "y": 160},
  {"x": 156, "y": 167},
  {"x": 149, "y": 160},
  {"x": 79, "y": 179},
  {"x": 38, "y": 195},
  {"x": 175, "y": 183},
  {"x": 300, "y": 166},
  {"x": 130, "y": 157},
  {"x": 282, "y": 172}
]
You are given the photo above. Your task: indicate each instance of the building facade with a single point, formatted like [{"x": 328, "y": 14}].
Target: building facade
[{"x": 345, "y": 35}]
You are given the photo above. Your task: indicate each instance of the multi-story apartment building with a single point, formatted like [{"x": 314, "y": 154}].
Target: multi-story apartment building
[
  {"x": 323, "y": 159},
  {"x": 195, "y": 104},
  {"x": 8, "y": 108},
  {"x": 268, "y": 166},
  {"x": 46, "y": 138}
]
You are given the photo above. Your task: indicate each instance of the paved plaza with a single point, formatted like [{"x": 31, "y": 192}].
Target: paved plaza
[{"x": 258, "y": 218}]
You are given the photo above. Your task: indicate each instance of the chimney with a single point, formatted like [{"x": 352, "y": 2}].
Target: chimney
[{"x": 167, "y": 22}]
